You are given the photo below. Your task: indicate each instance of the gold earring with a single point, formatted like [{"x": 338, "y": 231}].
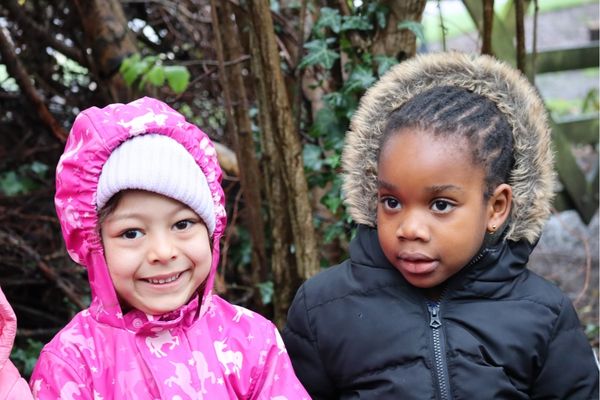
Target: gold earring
[{"x": 494, "y": 227}]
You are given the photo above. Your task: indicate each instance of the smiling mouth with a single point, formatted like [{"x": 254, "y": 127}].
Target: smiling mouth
[{"x": 164, "y": 281}]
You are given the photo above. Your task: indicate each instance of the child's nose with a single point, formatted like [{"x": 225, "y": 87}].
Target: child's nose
[
  {"x": 162, "y": 250},
  {"x": 413, "y": 227}
]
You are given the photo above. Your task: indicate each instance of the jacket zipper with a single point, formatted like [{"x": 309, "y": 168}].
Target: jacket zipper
[{"x": 439, "y": 351}]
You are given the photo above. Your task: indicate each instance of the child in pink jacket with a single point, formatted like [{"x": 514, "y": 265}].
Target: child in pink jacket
[
  {"x": 12, "y": 386},
  {"x": 140, "y": 203}
]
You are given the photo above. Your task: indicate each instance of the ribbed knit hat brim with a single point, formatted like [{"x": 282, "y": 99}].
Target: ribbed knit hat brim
[{"x": 158, "y": 164}]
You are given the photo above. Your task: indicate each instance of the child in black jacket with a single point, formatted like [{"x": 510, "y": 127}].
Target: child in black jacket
[{"x": 449, "y": 174}]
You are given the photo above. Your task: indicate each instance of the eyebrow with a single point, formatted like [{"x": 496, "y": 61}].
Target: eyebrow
[
  {"x": 444, "y": 188},
  {"x": 431, "y": 189},
  {"x": 139, "y": 215},
  {"x": 385, "y": 185}
]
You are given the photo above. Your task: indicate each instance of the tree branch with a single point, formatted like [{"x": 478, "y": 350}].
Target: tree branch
[
  {"x": 30, "y": 26},
  {"x": 17, "y": 71},
  {"x": 488, "y": 23}
]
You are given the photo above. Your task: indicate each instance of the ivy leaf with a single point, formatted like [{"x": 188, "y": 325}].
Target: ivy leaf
[
  {"x": 266, "y": 291},
  {"x": 381, "y": 16},
  {"x": 329, "y": 18},
  {"x": 39, "y": 168},
  {"x": 319, "y": 53},
  {"x": 335, "y": 100},
  {"x": 360, "y": 78},
  {"x": 356, "y": 22},
  {"x": 415, "y": 27},
  {"x": 12, "y": 183},
  {"x": 325, "y": 123},
  {"x": 312, "y": 157},
  {"x": 384, "y": 63},
  {"x": 178, "y": 77}
]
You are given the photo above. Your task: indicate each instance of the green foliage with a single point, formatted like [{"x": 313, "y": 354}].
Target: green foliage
[
  {"x": 329, "y": 39},
  {"x": 266, "y": 291},
  {"x": 24, "y": 179},
  {"x": 150, "y": 70},
  {"x": 591, "y": 102},
  {"x": 25, "y": 358},
  {"x": 319, "y": 53},
  {"x": 415, "y": 27}
]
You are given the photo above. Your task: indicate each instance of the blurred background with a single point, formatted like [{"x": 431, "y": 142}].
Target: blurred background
[{"x": 274, "y": 83}]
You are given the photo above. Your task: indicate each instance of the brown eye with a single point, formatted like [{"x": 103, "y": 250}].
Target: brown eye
[
  {"x": 390, "y": 203},
  {"x": 442, "y": 206},
  {"x": 131, "y": 234},
  {"x": 183, "y": 225}
]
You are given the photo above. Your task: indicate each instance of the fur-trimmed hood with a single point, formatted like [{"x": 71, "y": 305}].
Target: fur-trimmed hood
[{"x": 532, "y": 177}]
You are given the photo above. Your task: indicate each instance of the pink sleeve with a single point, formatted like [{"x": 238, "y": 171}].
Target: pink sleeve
[
  {"x": 53, "y": 378},
  {"x": 277, "y": 379},
  {"x": 12, "y": 386},
  {"x": 8, "y": 329}
]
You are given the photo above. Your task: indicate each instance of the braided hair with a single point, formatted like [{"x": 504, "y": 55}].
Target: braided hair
[{"x": 451, "y": 111}]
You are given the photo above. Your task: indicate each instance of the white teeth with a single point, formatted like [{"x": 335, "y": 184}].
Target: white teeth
[{"x": 163, "y": 281}]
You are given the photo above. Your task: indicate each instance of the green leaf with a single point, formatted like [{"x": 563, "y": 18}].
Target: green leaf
[
  {"x": 312, "y": 157},
  {"x": 325, "y": 123},
  {"x": 319, "y": 53},
  {"x": 381, "y": 16},
  {"x": 356, "y": 22},
  {"x": 178, "y": 77},
  {"x": 361, "y": 78},
  {"x": 384, "y": 63},
  {"x": 329, "y": 18},
  {"x": 415, "y": 27},
  {"x": 335, "y": 100},
  {"x": 12, "y": 183},
  {"x": 266, "y": 291},
  {"x": 156, "y": 75},
  {"x": 129, "y": 68},
  {"x": 39, "y": 168}
]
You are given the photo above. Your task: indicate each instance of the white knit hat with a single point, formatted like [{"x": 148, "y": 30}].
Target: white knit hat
[{"x": 159, "y": 164}]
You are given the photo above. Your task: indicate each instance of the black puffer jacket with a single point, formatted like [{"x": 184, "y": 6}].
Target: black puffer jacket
[{"x": 360, "y": 331}]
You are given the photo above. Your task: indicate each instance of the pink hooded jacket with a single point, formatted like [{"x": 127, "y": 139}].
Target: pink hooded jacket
[
  {"x": 12, "y": 386},
  {"x": 206, "y": 349}
]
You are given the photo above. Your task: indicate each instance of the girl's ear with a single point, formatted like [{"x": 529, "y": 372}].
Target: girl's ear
[{"x": 499, "y": 206}]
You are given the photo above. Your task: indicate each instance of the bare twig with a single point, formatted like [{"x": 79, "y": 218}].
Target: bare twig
[
  {"x": 520, "y": 35},
  {"x": 536, "y": 10},
  {"x": 17, "y": 71},
  {"x": 488, "y": 24},
  {"x": 44, "y": 268},
  {"x": 442, "y": 25}
]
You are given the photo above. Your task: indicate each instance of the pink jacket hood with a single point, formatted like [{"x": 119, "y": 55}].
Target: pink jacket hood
[
  {"x": 206, "y": 349},
  {"x": 95, "y": 134}
]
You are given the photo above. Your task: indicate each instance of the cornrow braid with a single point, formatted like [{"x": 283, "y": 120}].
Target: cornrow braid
[{"x": 450, "y": 111}]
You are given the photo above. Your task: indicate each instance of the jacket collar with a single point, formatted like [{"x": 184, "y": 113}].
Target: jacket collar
[{"x": 488, "y": 271}]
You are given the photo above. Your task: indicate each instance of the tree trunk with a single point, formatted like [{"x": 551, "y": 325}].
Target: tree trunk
[
  {"x": 288, "y": 199},
  {"x": 240, "y": 132},
  {"x": 105, "y": 28},
  {"x": 394, "y": 42}
]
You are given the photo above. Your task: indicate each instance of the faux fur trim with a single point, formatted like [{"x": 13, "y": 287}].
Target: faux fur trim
[{"x": 532, "y": 178}]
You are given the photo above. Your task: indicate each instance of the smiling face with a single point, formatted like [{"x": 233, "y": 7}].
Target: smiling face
[
  {"x": 431, "y": 213},
  {"x": 157, "y": 250}
]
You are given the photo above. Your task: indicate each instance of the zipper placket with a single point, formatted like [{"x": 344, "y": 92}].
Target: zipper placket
[{"x": 439, "y": 350}]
